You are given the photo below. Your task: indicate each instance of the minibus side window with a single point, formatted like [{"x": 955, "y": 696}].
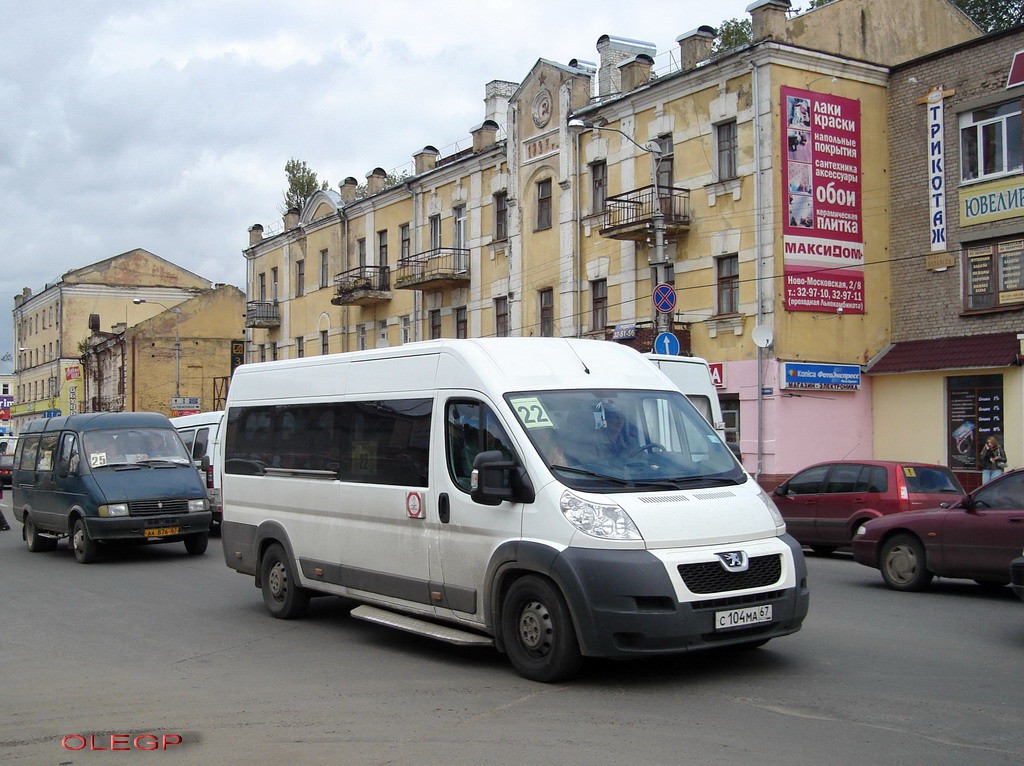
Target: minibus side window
[
  {"x": 47, "y": 448},
  {"x": 69, "y": 452},
  {"x": 188, "y": 437},
  {"x": 28, "y": 453},
  {"x": 471, "y": 428},
  {"x": 199, "y": 448}
]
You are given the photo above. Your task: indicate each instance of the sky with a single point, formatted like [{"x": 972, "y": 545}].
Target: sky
[{"x": 166, "y": 124}]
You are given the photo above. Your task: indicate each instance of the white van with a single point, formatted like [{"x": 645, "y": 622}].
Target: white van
[
  {"x": 692, "y": 376},
  {"x": 203, "y": 435},
  {"x": 552, "y": 497}
]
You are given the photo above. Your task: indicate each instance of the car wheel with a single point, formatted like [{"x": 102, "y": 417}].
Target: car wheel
[
  {"x": 823, "y": 550},
  {"x": 86, "y": 549},
  {"x": 282, "y": 594},
  {"x": 539, "y": 635},
  {"x": 903, "y": 564},
  {"x": 196, "y": 544},
  {"x": 37, "y": 543}
]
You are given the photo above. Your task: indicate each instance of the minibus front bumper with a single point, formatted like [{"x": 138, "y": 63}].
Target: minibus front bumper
[
  {"x": 169, "y": 528},
  {"x": 625, "y": 604}
]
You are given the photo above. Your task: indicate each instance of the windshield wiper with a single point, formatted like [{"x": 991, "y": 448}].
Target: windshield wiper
[
  {"x": 594, "y": 474},
  {"x": 163, "y": 461},
  {"x": 719, "y": 480}
]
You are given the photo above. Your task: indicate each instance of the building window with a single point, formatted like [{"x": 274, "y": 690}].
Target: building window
[
  {"x": 501, "y": 216},
  {"x": 324, "y": 268},
  {"x": 993, "y": 276},
  {"x": 544, "y": 204},
  {"x": 263, "y": 286},
  {"x": 731, "y": 416},
  {"x": 599, "y": 304},
  {"x": 599, "y": 186},
  {"x": 728, "y": 279},
  {"x": 273, "y": 352},
  {"x": 435, "y": 324},
  {"x": 459, "y": 238},
  {"x": 273, "y": 284},
  {"x": 300, "y": 278},
  {"x": 382, "y": 334},
  {"x": 403, "y": 235},
  {"x": 406, "y": 329},
  {"x": 361, "y": 251},
  {"x": 460, "y": 322},
  {"x": 435, "y": 232},
  {"x": 501, "y": 316},
  {"x": 324, "y": 346},
  {"x": 726, "y": 135},
  {"x": 382, "y": 248},
  {"x": 547, "y": 312},
  {"x": 665, "y": 163},
  {"x": 263, "y": 352},
  {"x": 361, "y": 337},
  {"x": 990, "y": 142},
  {"x": 300, "y": 348}
]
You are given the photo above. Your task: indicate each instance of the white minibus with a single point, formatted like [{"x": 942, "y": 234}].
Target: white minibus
[
  {"x": 555, "y": 498},
  {"x": 203, "y": 436}
]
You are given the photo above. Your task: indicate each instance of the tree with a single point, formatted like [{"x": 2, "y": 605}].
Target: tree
[
  {"x": 993, "y": 15},
  {"x": 302, "y": 183},
  {"x": 732, "y": 33},
  {"x": 392, "y": 179}
]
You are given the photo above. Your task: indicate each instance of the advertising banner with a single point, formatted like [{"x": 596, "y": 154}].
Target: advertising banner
[
  {"x": 823, "y": 226},
  {"x": 71, "y": 390},
  {"x": 822, "y": 377},
  {"x": 975, "y": 407}
]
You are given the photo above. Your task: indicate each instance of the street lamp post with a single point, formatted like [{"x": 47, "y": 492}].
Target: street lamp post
[
  {"x": 177, "y": 341},
  {"x": 653, "y": 148}
]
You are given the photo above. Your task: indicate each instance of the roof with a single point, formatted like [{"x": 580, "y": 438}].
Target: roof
[{"x": 995, "y": 350}]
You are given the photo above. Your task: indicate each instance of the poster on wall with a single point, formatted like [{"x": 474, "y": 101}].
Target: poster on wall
[
  {"x": 71, "y": 391},
  {"x": 823, "y": 232},
  {"x": 975, "y": 407}
]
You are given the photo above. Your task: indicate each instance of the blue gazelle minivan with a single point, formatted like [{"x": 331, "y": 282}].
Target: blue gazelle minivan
[{"x": 110, "y": 476}]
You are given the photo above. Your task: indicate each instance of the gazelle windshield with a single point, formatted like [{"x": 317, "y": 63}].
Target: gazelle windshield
[{"x": 625, "y": 440}]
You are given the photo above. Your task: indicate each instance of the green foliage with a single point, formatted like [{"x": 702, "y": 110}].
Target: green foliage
[
  {"x": 731, "y": 34},
  {"x": 392, "y": 179},
  {"x": 302, "y": 183},
  {"x": 993, "y": 15}
]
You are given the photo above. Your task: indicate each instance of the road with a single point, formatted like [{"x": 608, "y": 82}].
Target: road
[{"x": 152, "y": 641}]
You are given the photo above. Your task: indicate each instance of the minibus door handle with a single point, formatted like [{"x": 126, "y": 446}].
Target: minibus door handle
[{"x": 444, "y": 508}]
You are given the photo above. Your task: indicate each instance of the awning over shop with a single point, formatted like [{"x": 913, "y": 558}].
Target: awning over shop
[{"x": 996, "y": 350}]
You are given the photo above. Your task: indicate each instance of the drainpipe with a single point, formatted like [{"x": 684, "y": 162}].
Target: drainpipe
[
  {"x": 755, "y": 92},
  {"x": 577, "y": 318}
]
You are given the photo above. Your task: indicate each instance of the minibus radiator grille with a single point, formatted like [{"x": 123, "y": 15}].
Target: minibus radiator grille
[
  {"x": 157, "y": 507},
  {"x": 712, "y": 577}
]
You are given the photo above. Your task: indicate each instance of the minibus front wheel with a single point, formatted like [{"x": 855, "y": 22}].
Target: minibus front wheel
[
  {"x": 537, "y": 628},
  {"x": 86, "y": 549}
]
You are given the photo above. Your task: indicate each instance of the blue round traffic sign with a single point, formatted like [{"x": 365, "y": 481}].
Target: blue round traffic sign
[
  {"x": 664, "y": 298},
  {"x": 666, "y": 343}
]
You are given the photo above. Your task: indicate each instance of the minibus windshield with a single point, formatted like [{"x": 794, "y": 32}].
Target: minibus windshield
[
  {"x": 134, "y": 446},
  {"x": 625, "y": 440}
]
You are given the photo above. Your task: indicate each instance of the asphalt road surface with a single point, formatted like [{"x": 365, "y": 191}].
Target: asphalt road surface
[{"x": 150, "y": 646}]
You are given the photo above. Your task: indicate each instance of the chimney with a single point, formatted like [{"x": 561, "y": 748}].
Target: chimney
[
  {"x": 348, "y": 190},
  {"x": 613, "y": 51},
  {"x": 484, "y": 135},
  {"x": 255, "y": 234},
  {"x": 26, "y": 293},
  {"x": 768, "y": 20},
  {"x": 695, "y": 46},
  {"x": 425, "y": 159},
  {"x": 497, "y": 94},
  {"x": 291, "y": 218},
  {"x": 375, "y": 180},
  {"x": 635, "y": 72}
]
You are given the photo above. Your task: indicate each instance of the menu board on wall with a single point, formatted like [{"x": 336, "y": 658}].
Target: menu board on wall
[
  {"x": 975, "y": 407},
  {"x": 823, "y": 227}
]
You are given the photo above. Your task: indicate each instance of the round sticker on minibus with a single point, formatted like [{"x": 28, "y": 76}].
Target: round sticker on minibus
[{"x": 414, "y": 505}]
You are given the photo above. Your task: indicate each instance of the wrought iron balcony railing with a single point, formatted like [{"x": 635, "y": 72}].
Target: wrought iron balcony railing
[
  {"x": 630, "y": 215},
  {"x": 262, "y": 314},
  {"x": 362, "y": 285},
  {"x": 433, "y": 268}
]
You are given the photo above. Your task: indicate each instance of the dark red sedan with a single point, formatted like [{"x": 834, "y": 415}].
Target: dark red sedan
[{"x": 975, "y": 538}]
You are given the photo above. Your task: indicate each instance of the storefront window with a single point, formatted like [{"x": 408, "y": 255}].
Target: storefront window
[{"x": 994, "y": 275}]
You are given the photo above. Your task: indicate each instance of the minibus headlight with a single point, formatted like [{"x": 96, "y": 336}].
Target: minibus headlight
[
  {"x": 195, "y": 506},
  {"x": 114, "y": 509},
  {"x": 780, "y": 523},
  {"x": 609, "y": 522}
]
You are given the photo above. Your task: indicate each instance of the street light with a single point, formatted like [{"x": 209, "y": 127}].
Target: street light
[
  {"x": 653, "y": 148},
  {"x": 177, "y": 341}
]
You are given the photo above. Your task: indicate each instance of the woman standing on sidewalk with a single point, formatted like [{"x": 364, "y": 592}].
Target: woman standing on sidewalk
[{"x": 993, "y": 460}]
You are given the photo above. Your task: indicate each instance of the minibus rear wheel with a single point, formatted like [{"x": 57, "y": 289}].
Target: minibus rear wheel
[
  {"x": 37, "y": 543},
  {"x": 282, "y": 594},
  {"x": 539, "y": 635}
]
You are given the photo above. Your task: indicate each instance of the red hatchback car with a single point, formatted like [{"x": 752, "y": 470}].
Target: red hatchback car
[
  {"x": 824, "y": 504},
  {"x": 977, "y": 538}
]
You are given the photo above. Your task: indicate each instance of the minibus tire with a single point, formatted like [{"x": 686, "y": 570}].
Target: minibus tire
[
  {"x": 282, "y": 595},
  {"x": 36, "y": 542},
  {"x": 86, "y": 549},
  {"x": 538, "y": 631},
  {"x": 196, "y": 544}
]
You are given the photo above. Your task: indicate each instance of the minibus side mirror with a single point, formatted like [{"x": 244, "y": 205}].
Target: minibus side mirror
[{"x": 495, "y": 479}]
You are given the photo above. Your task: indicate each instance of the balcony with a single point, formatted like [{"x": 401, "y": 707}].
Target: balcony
[
  {"x": 434, "y": 269},
  {"x": 262, "y": 314},
  {"x": 362, "y": 286},
  {"x": 631, "y": 215}
]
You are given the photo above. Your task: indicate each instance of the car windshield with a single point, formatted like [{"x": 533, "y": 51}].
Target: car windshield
[
  {"x": 624, "y": 440},
  {"x": 133, "y": 446}
]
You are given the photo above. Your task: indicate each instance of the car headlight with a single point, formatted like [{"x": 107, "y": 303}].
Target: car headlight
[
  {"x": 608, "y": 522},
  {"x": 195, "y": 506},
  {"x": 780, "y": 523},
  {"x": 114, "y": 509}
]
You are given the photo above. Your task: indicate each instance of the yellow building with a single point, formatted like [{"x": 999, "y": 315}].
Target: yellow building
[
  {"x": 51, "y": 327},
  {"x": 733, "y": 206}
]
